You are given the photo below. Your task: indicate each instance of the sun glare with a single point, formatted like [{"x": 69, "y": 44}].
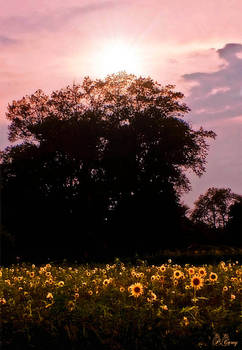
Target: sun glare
[{"x": 118, "y": 56}]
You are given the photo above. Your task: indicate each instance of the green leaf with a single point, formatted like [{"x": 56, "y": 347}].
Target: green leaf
[{"x": 188, "y": 309}]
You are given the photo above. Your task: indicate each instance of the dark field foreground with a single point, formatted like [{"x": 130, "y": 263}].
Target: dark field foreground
[{"x": 121, "y": 306}]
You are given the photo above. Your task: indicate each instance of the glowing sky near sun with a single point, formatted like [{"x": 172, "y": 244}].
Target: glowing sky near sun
[{"x": 196, "y": 45}]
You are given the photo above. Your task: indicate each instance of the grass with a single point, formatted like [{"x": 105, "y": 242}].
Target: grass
[{"x": 121, "y": 306}]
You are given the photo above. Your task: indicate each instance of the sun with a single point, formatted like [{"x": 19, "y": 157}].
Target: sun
[{"x": 118, "y": 56}]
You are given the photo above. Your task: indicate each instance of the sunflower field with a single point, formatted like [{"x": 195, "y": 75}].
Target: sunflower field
[{"x": 121, "y": 306}]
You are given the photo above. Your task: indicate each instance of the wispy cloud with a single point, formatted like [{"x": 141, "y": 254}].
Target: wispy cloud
[
  {"x": 5, "y": 41},
  {"x": 54, "y": 20},
  {"x": 218, "y": 94}
]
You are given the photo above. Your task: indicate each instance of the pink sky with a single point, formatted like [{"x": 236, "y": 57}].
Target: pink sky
[{"x": 196, "y": 45}]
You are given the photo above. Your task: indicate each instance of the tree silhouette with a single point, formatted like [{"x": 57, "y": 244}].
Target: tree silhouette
[
  {"x": 234, "y": 225},
  {"x": 213, "y": 207},
  {"x": 99, "y": 165}
]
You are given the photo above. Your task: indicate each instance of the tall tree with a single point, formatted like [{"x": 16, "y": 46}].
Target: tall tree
[{"x": 98, "y": 156}]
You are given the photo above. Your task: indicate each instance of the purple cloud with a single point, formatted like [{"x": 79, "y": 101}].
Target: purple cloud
[
  {"x": 218, "y": 94},
  {"x": 5, "y": 41}
]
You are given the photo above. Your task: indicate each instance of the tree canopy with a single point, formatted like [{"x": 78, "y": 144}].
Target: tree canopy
[
  {"x": 102, "y": 156},
  {"x": 213, "y": 207}
]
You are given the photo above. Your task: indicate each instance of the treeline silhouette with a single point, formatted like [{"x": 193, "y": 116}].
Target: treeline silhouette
[{"x": 99, "y": 171}]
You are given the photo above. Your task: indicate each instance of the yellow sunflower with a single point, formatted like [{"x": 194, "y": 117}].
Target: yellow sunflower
[
  {"x": 70, "y": 305},
  {"x": 49, "y": 296},
  {"x": 106, "y": 282},
  {"x": 3, "y": 301},
  {"x": 177, "y": 274},
  {"x": 213, "y": 277},
  {"x": 76, "y": 295},
  {"x": 49, "y": 281},
  {"x": 162, "y": 268},
  {"x": 202, "y": 271},
  {"x": 152, "y": 297},
  {"x": 196, "y": 282},
  {"x": 191, "y": 271},
  {"x": 133, "y": 273},
  {"x": 136, "y": 289}
]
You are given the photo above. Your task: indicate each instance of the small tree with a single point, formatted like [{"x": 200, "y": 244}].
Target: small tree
[
  {"x": 234, "y": 226},
  {"x": 213, "y": 207}
]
